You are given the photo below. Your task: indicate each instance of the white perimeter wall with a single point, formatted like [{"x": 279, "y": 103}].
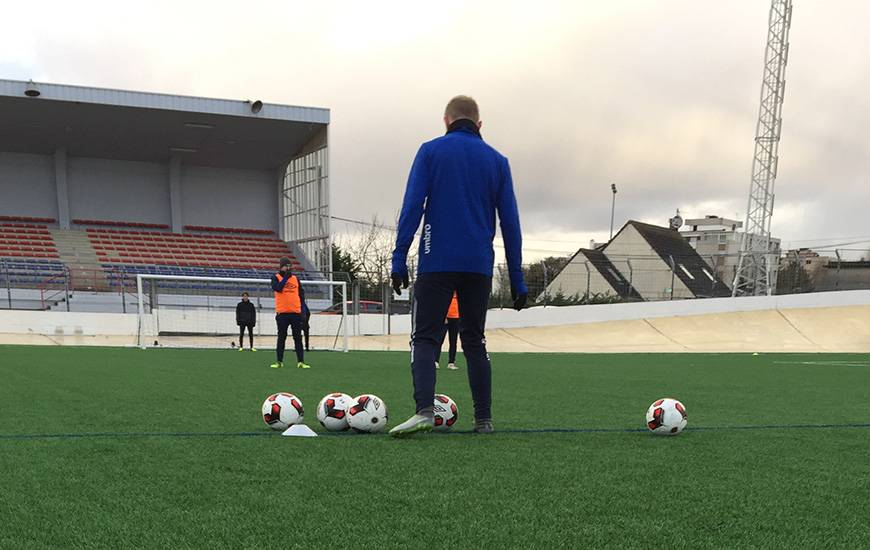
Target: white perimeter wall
[
  {"x": 96, "y": 324},
  {"x": 570, "y": 315},
  {"x": 27, "y": 185},
  {"x": 62, "y": 323}
]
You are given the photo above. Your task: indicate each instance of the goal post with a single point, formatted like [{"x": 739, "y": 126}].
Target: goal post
[{"x": 200, "y": 312}]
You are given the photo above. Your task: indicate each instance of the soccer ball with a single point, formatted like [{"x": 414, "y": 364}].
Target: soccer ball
[
  {"x": 446, "y": 413},
  {"x": 367, "y": 413},
  {"x": 282, "y": 410},
  {"x": 666, "y": 417},
  {"x": 332, "y": 411}
]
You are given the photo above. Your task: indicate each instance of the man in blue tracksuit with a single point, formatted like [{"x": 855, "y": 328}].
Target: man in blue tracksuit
[{"x": 457, "y": 185}]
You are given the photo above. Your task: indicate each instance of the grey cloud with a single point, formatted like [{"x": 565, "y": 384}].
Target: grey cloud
[{"x": 660, "y": 97}]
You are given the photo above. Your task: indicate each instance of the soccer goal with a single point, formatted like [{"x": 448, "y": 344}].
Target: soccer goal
[{"x": 200, "y": 312}]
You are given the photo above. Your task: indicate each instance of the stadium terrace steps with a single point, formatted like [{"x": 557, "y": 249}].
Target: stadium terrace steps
[{"x": 75, "y": 250}]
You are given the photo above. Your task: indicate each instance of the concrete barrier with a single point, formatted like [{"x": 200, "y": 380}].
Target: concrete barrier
[
  {"x": 819, "y": 322},
  {"x": 839, "y": 329}
]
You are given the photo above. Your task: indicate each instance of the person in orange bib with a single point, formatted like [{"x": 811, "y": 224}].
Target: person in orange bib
[
  {"x": 289, "y": 304},
  {"x": 451, "y": 327}
]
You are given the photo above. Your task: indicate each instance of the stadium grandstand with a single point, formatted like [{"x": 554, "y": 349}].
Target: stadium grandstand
[{"x": 99, "y": 185}]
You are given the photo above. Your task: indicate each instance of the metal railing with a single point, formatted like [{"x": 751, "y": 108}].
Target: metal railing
[
  {"x": 54, "y": 290},
  {"x": 28, "y": 288}
]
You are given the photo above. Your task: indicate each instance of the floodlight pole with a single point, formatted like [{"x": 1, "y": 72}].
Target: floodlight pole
[
  {"x": 612, "y": 208},
  {"x": 754, "y": 269}
]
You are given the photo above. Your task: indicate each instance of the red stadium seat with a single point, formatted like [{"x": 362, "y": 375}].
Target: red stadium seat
[
  {"x": 30, "y": 219},
  {"x": 135, "y": 247},
  {"x": 82, "y": 221}
]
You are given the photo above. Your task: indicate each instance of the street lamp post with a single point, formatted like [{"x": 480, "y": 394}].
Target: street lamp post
[{"x": 612, "y": 208}]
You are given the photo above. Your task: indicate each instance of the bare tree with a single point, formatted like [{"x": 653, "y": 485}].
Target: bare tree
[
  {"x": 368, "y": 246},
  {"x": 372, "y": 248}
]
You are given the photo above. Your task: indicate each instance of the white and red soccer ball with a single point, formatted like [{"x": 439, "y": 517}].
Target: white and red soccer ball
[
  {"x": 282, "y": 410},
  {"x": 367, "y": 413},
  {"x": 332, "y": 411},
  {"x": 666, "y": 417},
  {"x": 446, "y": 413}
]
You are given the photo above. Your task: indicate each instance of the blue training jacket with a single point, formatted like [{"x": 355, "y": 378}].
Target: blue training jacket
[{"x": 457, "y": 184}]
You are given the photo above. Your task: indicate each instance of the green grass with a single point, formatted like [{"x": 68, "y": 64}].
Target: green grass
[{"x": 707, "y": 488}]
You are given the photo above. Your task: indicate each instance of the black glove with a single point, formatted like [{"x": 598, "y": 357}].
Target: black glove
[
  {"x": 519, "y": 299},
  {"x": 399, "y": 282}
]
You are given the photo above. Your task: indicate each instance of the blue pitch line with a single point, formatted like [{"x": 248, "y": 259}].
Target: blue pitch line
[
  {"x": 693, "y": 429},
  {"x": 638, "y": 430},
  {"x": 454, "y": 432},
  {"x": 135, "y": 434}
]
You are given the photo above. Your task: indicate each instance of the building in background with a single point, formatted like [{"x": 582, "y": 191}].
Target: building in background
[
  {"x": 176, "y": 164},
  {"x": 99, "y": 185},
  {"x": 642, "y": 261},
  {"x": 717, "y": 240},
  {"x": 806, "y": 270},
  {"x": 663, "y": 265},
  {"x": 589, "y": 273},
  {"x": 810, "y": 261}
]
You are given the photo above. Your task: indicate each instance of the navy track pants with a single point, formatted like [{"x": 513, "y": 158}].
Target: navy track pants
[{"x": 432, "y": 295}]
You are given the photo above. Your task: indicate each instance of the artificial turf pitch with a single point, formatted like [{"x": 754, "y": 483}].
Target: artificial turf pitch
[{"x": 116, "y": 448}]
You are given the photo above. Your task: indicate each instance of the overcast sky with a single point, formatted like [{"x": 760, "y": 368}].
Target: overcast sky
[{"x": 658, "y": 96}]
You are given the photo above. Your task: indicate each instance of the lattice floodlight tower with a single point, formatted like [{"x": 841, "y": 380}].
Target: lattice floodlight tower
[{"x": 757, "y": 262}]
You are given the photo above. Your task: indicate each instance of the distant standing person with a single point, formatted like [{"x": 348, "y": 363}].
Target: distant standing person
[
  {"x": 451, "y": 329},
  {"x": 289, "y": 299},
  {"x": 458, "y": 183},
  {"x": 452, "y": 326},
  {"x": 246, "y": 318}
]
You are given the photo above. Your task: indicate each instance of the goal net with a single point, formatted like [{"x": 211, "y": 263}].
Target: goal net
[{"x": 200, "y": 312}]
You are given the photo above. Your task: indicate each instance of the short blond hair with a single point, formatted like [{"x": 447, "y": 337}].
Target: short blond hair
[{"x": 462, "y": 106}]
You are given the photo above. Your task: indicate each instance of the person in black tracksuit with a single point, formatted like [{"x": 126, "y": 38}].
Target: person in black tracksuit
[{"x": 246, "y": 317}]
